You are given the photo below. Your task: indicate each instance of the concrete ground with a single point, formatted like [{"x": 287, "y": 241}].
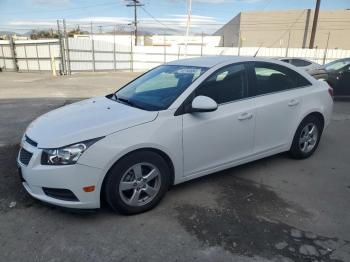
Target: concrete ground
[{"x": 274, "y": 209}]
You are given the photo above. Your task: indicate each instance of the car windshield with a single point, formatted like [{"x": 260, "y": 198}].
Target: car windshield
[
  {"x": 158, "y": 88},
  {"x": 335, "y": 65}
]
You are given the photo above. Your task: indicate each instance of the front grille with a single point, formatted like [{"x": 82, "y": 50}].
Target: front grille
[
  {"x": 30, "y": 141},
  {"x": 25, "y": 156},
  {"x": 61, "y": 194}
]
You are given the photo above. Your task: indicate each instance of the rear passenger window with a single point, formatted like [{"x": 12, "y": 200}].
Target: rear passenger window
[
  {"x": 299, "y": 62},
  {"x": 272, "y": 78},
  {"x": 226, "y": 85}
]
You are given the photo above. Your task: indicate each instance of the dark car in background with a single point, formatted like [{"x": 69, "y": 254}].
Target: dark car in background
[{"x": 337, "y": 75}]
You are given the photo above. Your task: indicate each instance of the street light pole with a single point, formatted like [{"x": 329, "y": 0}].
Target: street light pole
[{"x": 189, "y": 13}]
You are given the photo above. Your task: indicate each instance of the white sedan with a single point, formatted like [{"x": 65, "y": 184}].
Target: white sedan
[{"x": 177, "y": 122}]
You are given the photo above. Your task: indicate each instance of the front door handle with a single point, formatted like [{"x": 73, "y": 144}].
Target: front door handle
[
  {"x": 293, "y": 102},
  {"x": 245, "y": 116}
]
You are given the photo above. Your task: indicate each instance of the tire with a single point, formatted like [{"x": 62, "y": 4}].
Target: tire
[
  {"x": 137, "y": 182},
  {"x": 306, "y": 141}
]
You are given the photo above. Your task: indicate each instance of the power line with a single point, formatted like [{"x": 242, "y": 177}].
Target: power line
[
  {"x": 336, "y": 25},
  {"x": 241, "y": 23},
  {"x": 268, "y": 3},
  {"x": 288, "y": 28},
  {"x": 155, "y": 19},
  {"x": 97, "y": 25}
]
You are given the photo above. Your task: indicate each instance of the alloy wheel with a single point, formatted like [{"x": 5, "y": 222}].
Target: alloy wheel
[
  {"x": 308, "y": 138},
  {"x": 140, "y": 184}
]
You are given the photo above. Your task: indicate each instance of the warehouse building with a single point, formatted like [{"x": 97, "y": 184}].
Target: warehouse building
[{"x": 287, "y": 28}]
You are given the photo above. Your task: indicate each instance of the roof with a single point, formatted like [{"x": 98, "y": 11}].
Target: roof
[
  {"x": 211, "y": 61},
  {"x": 207, "y": 61}
]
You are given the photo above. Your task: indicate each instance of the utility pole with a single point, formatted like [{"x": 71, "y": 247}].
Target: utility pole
[
  {"x": 114, "y": 55},
  {"x": 239, "y": 42},
  {"x": 62, "y": 52},
  {"x": 13, "y": 54},
  {"x": 66, "y": 46},
  {"x": 189, "y": 14},
  {"x": 314, "y": 25},
  {"x": 92, "y": 47},
  {"x": 326, "y": 49},
  {"x": 135, "y": 4},
  {"x": 288, "y": 44}
]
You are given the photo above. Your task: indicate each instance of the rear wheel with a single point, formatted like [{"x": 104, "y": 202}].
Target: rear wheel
[
  {"x": 137, "y": 182},
  {"x": 307, "y": 137}
]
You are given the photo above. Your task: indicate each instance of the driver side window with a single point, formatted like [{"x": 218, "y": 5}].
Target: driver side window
[{"x": 226, "y": 85}]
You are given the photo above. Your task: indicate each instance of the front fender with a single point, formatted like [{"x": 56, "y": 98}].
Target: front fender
[{"x": 163, "y": 134}]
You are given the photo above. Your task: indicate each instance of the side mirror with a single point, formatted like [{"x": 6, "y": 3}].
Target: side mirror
[{"x": 203, "y": 104}]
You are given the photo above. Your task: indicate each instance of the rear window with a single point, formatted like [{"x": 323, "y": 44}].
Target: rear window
[
  {"x": 299, "y": 62},
  {"x": 335, "y": 65},
  {"x": 272, "y": 78},
  {"x": 285, "y": 60}
]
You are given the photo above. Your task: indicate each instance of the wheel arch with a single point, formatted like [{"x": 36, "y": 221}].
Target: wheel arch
[
  {"x": 164, "y": 155},
  {"x": 316, "y": 113}
]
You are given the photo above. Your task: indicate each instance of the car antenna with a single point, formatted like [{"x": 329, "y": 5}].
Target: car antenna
[{"x": 257, "y": 51}]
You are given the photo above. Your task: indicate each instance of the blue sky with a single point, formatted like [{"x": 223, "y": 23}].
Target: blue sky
[{"x": 208, "y": 15}]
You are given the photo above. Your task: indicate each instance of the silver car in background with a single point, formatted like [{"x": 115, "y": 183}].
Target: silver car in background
[{"x": 301, "y": 63}]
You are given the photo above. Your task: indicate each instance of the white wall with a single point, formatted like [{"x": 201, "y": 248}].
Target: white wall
[
  {"x": 157, "y": 40},
  {"x": 6, "y": 61},
  {"x": 118, "y": 39},
  {"x": 35, "y": 55},
  {"x": 174, "y": 40}
]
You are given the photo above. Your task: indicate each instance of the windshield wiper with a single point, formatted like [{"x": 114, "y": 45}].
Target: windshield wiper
[
  {"x": 127, "y": 101},
  {"x": 114, "y": 97}
]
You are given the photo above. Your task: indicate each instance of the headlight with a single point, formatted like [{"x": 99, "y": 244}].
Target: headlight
[{"x": 67, "y": 155}]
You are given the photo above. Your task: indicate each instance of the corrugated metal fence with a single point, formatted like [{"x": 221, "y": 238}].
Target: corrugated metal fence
[
  {"x": 28, "y": 55},
  {"x": 77, "y": 55}
]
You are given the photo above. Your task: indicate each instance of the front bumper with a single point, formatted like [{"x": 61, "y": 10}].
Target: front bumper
[{"x": 72, "y": 177}]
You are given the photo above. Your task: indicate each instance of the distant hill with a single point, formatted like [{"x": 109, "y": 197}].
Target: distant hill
[{"x": 8, "y": 33}]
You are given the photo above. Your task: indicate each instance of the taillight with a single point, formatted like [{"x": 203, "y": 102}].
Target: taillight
[{"x": 331, "y": 92}]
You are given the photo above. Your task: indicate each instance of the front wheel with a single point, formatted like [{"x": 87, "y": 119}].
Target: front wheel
[
  {"x": 306, "y": 138},
  {"x": 137, "y": 182}
]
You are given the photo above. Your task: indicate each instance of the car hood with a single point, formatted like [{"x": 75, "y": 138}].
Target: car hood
[
  {"x": 85, "y": 120},
  {"x": 317, "y": 71}
]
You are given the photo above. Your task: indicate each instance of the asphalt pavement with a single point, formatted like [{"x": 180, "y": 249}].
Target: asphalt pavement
[{"x": 274, "y": 209}]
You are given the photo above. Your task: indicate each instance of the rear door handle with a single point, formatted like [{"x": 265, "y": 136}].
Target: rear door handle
[
  {"x": 293, "y": 102},
  {"x": 245, "y": 116}
]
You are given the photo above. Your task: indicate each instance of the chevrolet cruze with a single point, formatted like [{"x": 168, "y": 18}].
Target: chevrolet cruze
[{"x": 179, "y": 121}]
